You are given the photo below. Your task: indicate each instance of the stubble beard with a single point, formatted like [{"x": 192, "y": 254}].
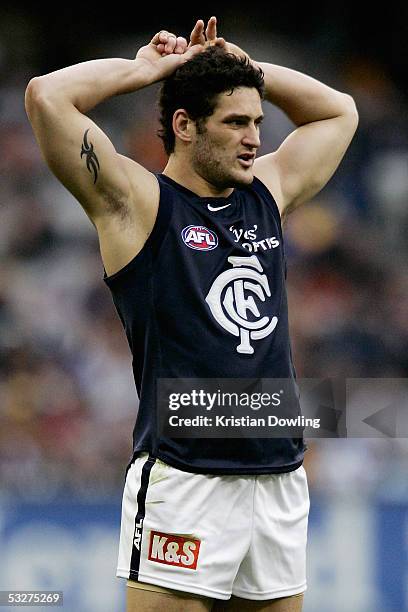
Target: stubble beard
[{"x": 208, "y": 162}]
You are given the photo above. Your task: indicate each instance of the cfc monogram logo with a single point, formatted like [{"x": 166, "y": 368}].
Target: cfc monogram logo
[{"x": 231, "y": 312}]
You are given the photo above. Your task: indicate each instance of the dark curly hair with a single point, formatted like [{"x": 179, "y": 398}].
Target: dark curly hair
[{"x": 196, "y": 84}]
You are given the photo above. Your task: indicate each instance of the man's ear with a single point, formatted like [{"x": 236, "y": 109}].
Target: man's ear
[{"x": 183, "y": 126}]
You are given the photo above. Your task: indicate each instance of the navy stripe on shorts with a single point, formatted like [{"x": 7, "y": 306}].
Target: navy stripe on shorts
[{"x": 141, "y": 511}]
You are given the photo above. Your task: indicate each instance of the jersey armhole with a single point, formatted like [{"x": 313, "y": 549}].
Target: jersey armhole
[
  {"x": 155, "y": 238},
  {"x": 261, "y": 189},
  {"x": 264, "y": 192}
]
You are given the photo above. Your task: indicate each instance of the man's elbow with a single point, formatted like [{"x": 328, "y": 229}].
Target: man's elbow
[
  {"x": 35, "y": 94},
  {"x": 350, "y": 109}
]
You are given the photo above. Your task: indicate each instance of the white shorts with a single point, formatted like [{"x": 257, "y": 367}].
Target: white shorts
[{"x": 214, "y": 535}]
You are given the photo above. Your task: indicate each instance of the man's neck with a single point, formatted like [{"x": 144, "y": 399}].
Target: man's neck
[{"x": 182, "y": 172}]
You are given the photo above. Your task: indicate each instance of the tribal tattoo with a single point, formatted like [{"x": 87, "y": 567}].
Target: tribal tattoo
[{"x": 92, "y": 162}]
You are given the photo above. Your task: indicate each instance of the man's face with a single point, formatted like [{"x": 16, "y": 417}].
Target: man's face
[{"x": 224, "y": 152}]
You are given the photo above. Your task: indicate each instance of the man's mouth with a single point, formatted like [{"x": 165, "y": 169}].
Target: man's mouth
[{"x": 246, "y": 159}]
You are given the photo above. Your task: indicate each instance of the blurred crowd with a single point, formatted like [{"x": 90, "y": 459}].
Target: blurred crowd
[{"x": 67, "y": 397}]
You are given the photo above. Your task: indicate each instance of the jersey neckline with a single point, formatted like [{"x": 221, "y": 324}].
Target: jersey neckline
[{"x": 203, "y": 199}]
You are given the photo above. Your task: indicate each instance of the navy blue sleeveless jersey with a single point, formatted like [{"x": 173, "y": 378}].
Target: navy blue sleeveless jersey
[{"x": 168, "y": 298}]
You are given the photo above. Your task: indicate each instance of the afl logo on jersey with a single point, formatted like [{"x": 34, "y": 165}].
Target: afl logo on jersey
[{"x": 199, "y": 238}]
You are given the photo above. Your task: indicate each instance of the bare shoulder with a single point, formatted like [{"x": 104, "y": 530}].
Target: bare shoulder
[
  {"x": 123, "y": 232},
  {"x": 144, "y": 189}
]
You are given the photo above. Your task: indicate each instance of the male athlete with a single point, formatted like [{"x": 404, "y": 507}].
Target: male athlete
[{"x": 194, "y": 259}]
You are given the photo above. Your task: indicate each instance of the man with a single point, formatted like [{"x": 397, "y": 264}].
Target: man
[{"x": 194, "y": 259}]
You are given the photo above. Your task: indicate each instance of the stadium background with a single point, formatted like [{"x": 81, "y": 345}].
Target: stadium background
[{"x": 67, "y": 400}]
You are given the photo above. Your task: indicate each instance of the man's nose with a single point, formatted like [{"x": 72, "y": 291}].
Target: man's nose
[{"x": 251, "y": 137}]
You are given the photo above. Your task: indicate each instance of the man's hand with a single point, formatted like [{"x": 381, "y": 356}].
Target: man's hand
[
  {"x": 204, "y": 38},
  {"x": 165, "y": 53}
]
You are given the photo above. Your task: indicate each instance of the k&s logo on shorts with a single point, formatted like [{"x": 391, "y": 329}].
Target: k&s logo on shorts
[
  {"x": 199, "y": 238},
  {"x": 171, "y": 549}
]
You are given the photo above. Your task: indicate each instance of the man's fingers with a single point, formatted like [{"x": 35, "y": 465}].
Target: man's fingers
[
  {"x": 181, "y": 45},
  {"x": 167, "y": 43},
  {"x": 160, "y": 37},
  {"x": 220, "y": 42},
  {"x": 197, "y": 34},
  {"x": 166, "y": 47},
  {"x": 168, "y": 39},
  {"x": 211, "y": 29},
  {"x": 171, "y": 45}
]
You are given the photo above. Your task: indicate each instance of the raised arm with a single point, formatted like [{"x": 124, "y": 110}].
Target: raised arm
[
  {"x": 111, "y": 188},
  {"x": 326, "y": 121}
]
